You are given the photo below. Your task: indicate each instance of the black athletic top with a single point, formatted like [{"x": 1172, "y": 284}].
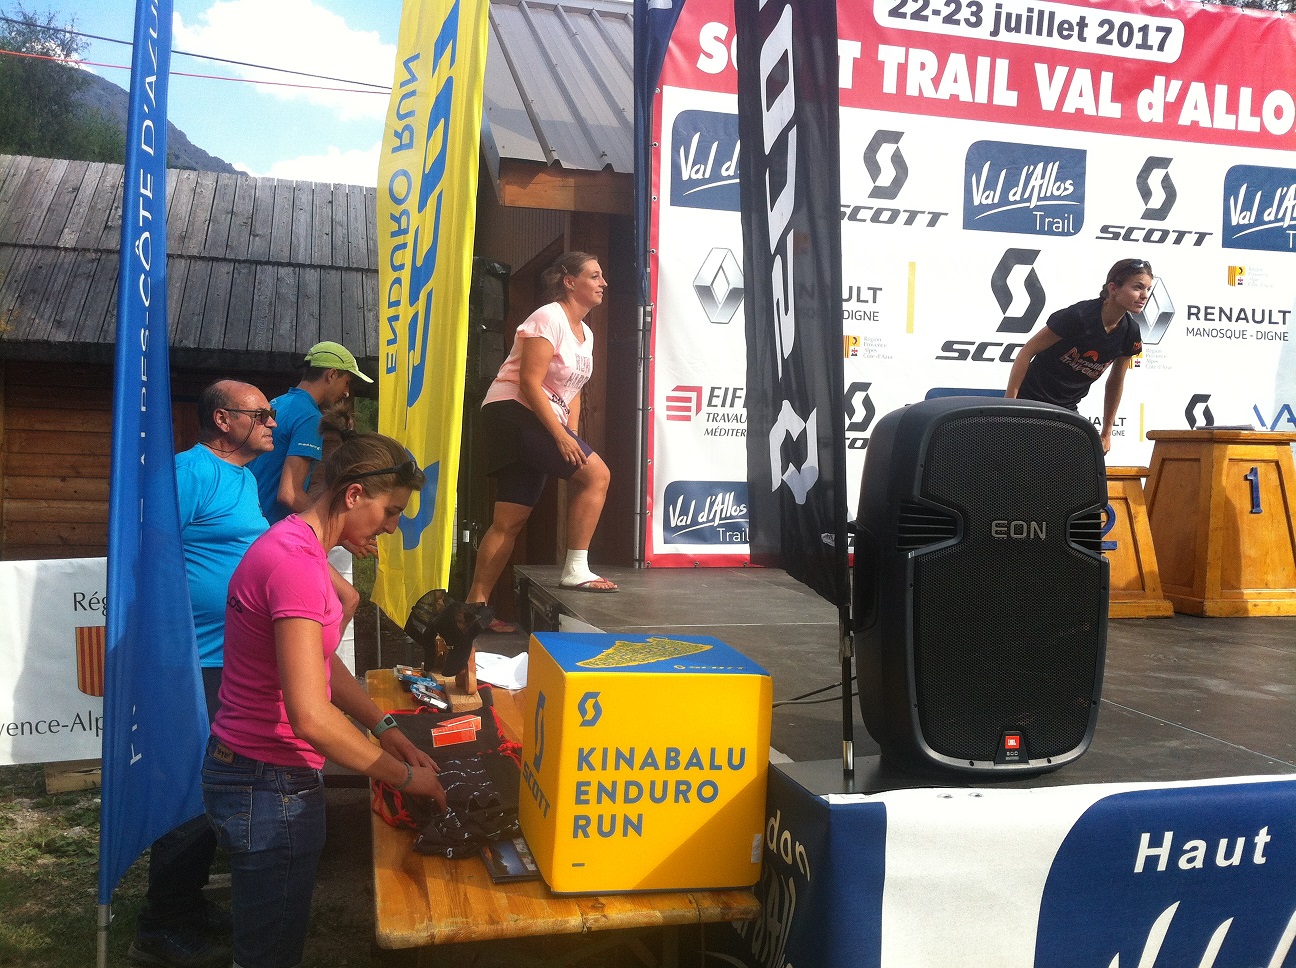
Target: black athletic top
[{"x": 1063, "y": 373}]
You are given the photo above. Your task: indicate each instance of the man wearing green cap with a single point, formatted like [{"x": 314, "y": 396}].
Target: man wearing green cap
[{"x": 283, "y": 475}]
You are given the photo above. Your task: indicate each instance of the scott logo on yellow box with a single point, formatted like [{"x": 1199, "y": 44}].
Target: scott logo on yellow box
[{"x": 644, "y": 762}]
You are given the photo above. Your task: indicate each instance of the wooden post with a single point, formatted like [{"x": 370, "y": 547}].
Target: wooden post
[
  {"x": 1127, "y": 543},
  {"x": 1219, "y": 504}
]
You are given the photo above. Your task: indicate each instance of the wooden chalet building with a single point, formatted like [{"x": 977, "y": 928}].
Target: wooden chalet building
[{"x": 260, "y": 269}]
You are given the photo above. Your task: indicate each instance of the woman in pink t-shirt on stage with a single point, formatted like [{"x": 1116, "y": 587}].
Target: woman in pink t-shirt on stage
[
  {"x": 531, "y": 414},
  {"x": 285, "y": 697}
]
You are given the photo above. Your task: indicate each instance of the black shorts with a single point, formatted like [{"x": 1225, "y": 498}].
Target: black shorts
[{"x": 520, "y": 454}]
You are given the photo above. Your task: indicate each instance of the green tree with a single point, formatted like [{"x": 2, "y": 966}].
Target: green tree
[{"x": 40, "y": 113}]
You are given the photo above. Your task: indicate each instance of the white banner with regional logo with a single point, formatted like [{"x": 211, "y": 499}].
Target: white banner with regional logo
[
  {"x": 52, "y": 657},
  {"x": 995, "y": 162}
]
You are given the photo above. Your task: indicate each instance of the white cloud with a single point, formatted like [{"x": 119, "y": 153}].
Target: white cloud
[
  {"x": 358, "y": 167},
  {"x": 298, "y": 35}
]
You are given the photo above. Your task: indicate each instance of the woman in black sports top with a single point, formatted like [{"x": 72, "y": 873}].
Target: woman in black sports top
[{"x": 1063, "y": 359}]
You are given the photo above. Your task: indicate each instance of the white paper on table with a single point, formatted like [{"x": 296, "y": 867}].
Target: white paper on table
[{"x": 501, "y": 670}]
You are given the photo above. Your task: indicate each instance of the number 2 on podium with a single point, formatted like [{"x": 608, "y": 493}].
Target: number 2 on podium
[{"x": 1109, "y": 522}]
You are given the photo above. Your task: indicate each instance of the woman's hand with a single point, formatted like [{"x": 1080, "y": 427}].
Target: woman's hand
[
  {"x": 366, "y": 550},
  {"x": 399, "y": 745},
  {"x": 425, "y": 783},
  {"x": 570, "y": 450}
]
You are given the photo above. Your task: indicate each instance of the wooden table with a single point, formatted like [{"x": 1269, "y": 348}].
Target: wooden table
[{"x": 422, "y": 900}]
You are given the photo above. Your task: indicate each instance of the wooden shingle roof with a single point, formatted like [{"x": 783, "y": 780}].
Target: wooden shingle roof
[{"x": 259, "y": 269}]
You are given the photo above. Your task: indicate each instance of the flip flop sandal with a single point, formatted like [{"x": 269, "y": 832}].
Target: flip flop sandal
[{"x": 592, "y": 585}]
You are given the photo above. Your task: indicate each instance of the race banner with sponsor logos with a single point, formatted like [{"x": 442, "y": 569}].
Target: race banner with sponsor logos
[
  {"x": 787, "y": 105},
  {"x": 427, "y": 190},
  {"x": 996, "y": 159},
  {"x": 1100, "y": 876}
]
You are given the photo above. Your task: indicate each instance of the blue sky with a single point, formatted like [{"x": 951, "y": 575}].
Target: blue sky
[{"x": 284, "y": 132}]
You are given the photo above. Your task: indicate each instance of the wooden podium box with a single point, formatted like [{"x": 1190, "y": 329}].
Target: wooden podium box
[
  {"x": 1219, "y": 503},
  {"x": 1127, "y": 543}
]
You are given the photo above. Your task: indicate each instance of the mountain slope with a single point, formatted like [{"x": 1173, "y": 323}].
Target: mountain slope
[{"x": 110, "y": 101}]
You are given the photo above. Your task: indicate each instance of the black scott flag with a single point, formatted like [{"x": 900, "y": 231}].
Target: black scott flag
[{"x": 796, "y": 462}]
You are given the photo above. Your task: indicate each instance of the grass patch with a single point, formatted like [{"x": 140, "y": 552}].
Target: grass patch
[{"x": 49, "y": 872}]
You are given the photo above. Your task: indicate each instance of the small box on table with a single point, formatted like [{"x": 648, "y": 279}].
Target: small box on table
[{"x": 644, "y": 762}]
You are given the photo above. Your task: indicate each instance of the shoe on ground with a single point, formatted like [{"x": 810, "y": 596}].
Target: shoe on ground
[
  {"x": 214, "y": 921},
  {"x": 158, "y": 950}
]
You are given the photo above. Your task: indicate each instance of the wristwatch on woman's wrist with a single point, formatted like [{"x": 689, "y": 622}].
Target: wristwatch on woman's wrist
[{"x": 384, "y": 724}]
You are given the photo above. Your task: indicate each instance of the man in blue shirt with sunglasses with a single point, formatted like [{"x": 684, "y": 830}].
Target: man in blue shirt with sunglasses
[{"x": 220, "y": 517}]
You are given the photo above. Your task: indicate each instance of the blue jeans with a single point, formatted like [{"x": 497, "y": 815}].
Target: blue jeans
[{"x": 271, "y": 820}]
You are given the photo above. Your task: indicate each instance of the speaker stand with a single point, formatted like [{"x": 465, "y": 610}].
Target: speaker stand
[
  {"x": 872, "y": 775},
  {"x": 846, "y": 652}
]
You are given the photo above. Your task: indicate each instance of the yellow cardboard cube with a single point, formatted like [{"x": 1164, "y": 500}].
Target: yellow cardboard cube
[{"x": 644, "y": 762}]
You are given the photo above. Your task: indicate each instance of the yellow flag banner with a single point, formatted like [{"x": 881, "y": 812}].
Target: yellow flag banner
[{"x": 427, "y": 191}]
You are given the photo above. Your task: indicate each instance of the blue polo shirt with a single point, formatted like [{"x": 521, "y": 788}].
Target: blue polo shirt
[
  {"x": 297, "y": 435},
  {"x": 219, "y": 520}
]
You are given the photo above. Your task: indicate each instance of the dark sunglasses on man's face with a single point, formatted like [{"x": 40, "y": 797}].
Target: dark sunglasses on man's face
[{"x": 262, "y": 416}]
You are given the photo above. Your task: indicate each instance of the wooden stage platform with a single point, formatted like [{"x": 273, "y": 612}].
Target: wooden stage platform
[{"x": 1184, "y": 697}]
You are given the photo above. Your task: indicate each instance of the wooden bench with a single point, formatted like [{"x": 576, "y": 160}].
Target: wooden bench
[{"x": 422, "y": 901}]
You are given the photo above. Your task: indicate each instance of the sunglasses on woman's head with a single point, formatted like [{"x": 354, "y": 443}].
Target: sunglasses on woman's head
[{"x": 403, "y": 471}]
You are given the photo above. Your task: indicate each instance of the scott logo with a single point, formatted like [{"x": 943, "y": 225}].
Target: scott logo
[
  {"x": 1161, "y": 196},
  {"x": 539, "y": 732},
  {"x": 961, "y": 350},
  {"x": 591, "y": 711},
  {"x": 1199, "y": 406},
  {"x": 1024, "y": 321},
  {"x": 789, "y": 425},
  {"x": 899, "y": 173},
  {"x": 859, "y": 415},
  {"x": 777, "y": 82}
]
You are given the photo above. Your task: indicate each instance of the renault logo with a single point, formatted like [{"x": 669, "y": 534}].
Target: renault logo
[{"x": 719, "y": 285}]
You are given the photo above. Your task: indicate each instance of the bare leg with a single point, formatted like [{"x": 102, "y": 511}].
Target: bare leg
[
  {"x": 587, "y": 490},
  {"x": 496, "y": 548}
]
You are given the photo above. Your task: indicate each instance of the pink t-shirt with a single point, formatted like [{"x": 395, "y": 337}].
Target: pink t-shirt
[
  {"x": 283, "y": 575},
  {"x": 569, "y": 370}
]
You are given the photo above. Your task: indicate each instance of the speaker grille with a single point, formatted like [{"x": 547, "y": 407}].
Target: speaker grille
[
  {"x": 1008, "y": 622},
  {"x": 921, "y": 526}
]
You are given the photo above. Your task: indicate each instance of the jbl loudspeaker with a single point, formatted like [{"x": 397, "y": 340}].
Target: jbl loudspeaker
[{"x": 980, "y": 589}]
